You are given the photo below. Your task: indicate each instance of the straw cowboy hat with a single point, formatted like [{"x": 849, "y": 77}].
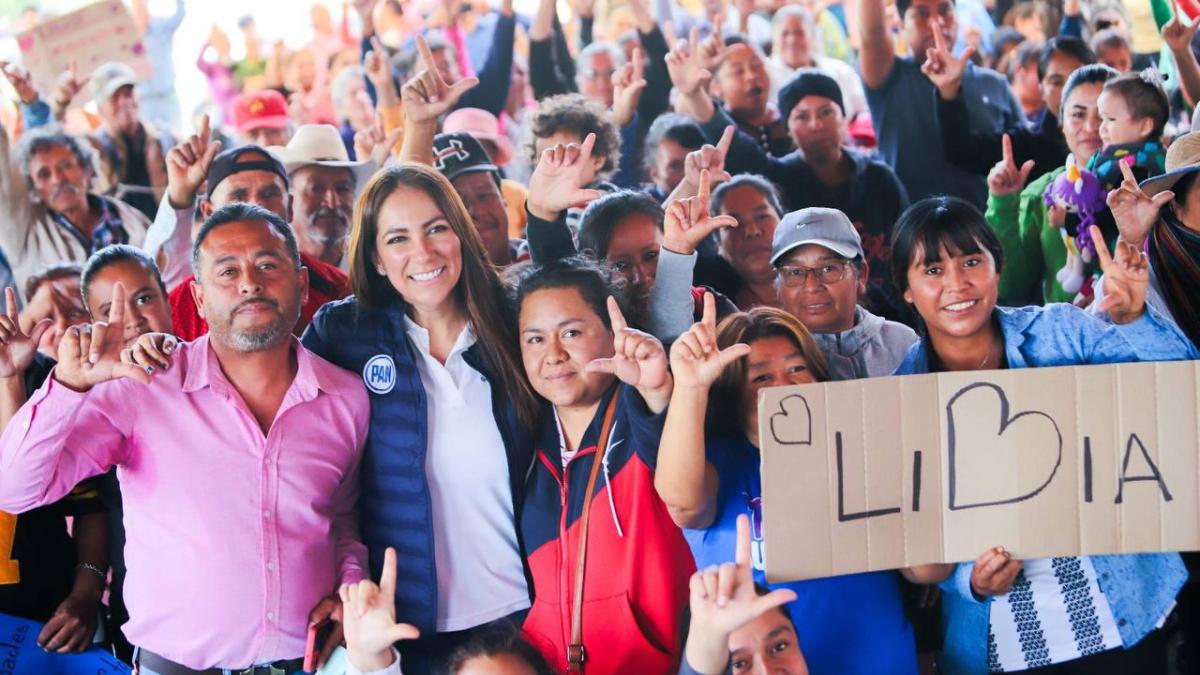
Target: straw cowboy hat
[{"x": 320, "y": 145}]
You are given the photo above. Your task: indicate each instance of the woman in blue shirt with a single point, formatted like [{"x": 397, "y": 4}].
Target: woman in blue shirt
[
  {"x": 708, "y": 474},
  {"x": 1088, "y": 614}
]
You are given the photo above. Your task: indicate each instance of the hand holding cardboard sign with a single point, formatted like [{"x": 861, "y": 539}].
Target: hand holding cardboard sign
[{"x": 994, "y": 572}]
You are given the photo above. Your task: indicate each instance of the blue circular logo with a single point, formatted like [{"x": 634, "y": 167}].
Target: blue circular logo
[{"x": 380, "y": 374}]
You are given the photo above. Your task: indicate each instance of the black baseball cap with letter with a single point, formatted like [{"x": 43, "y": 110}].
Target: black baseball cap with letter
[{"x": 457, "y": 153}]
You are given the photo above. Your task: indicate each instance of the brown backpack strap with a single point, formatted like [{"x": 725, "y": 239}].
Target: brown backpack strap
[{"x": 576, "y": 654}]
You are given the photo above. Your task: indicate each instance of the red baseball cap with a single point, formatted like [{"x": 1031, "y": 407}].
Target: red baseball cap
[{"x": 265, "y": 108}]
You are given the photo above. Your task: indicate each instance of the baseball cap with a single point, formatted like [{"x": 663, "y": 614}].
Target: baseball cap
[
  {"x": 109, "y": 78},
  {"x": 816, "y": 225},
  {"x": 458, "y": 153},
  {"x": 229, "y": 162},
  {"x": 259, "y": 109},
  {"x": 484, "y": 126}
]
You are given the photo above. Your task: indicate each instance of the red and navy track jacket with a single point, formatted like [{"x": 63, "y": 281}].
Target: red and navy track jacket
[{"x": 638, "y": 563}]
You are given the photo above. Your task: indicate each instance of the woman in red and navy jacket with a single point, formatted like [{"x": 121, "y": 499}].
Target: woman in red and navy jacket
[{"x": 607, "y": 387}]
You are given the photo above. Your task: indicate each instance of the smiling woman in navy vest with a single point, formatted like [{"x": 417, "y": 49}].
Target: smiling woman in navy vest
[{"x": 447, "y": 452}]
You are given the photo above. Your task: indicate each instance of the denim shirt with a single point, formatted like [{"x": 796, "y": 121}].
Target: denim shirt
[{"x": 1140, "y": 588}]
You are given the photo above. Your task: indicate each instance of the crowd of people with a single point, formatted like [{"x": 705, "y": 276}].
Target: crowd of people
[{"x": 441, "y": 337}]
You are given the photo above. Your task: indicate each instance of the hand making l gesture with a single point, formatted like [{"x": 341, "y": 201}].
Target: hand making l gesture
[
  {"x": 17, "y": 348},
  {"x": 1135, "y": 211},
  {"x": 559, "y": 179},
  {"x": 638, "y": 360},
  {"x": 1006, "y": 178},
  {"x": 1126, "y": 279},
  {"x": 91, "y": 354},
  {"x": 696, "y": 360},
  {"x": 427, "y": 96},
  {"x": 687, "y": 222}
]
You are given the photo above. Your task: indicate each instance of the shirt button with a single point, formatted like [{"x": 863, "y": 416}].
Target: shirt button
[
  {"x": 266, "y": 514},
  {"x": 270, "y": 616},
  {"x": 270, "y": 461},
  {"x": 271, "y": 565}
]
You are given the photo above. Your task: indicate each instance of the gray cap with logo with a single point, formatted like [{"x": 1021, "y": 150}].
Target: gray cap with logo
[{"x": 816, "y": 225}]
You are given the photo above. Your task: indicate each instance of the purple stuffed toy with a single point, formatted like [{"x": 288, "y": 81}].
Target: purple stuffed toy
[{"x": 1078, "y": 191}]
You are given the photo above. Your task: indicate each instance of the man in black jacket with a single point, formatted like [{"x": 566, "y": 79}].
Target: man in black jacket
[{"x": 1043, "y": 142}]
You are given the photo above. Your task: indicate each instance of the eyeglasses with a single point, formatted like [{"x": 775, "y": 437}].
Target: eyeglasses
[{"x": 829, "y": 273}]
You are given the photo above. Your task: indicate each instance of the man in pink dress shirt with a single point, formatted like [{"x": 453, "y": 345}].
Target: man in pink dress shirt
[{"x": 238, "y": 463}]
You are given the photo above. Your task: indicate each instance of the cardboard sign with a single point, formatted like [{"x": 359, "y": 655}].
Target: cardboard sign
[
  {"x": 891, "y": 472},
  {"x": 21, "y": 655},
  {"x": 90, "y": 37}
]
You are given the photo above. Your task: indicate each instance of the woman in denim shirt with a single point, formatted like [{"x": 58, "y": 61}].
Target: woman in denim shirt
[{"x": 1088, "y": 614}]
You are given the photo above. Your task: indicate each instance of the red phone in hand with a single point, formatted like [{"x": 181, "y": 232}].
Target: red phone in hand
[{"x": 318, "y": 633}]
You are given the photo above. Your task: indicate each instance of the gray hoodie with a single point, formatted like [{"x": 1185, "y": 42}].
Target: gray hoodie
[{"x": 874, "y": 347}]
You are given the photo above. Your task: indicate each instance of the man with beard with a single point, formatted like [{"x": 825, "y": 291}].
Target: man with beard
[
  {"x": 324, "y": 183},
  {"x": 246, "y": 411},
  {"x": 246, "y": 173},
  {"x": 48, "y": 213},
  {"x": 132, "y": 164}
]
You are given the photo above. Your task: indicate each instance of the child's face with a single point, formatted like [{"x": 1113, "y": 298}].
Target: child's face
[{"x": 1117, "y": 123}]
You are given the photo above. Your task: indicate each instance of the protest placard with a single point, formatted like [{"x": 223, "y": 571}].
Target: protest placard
[
  {"x": 21, "y": 655},
  {"x": 88, "y": 37},
  {"x": 891, "y": 472}
]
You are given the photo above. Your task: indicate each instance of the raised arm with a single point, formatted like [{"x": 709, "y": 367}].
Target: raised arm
[
  {"x": 18, "y": 349},
  {"x": 691, "y": 64},
  {"x": 492, "y": 93},
  {"x": 427, "y": 96},
  {"x": 546, "y": 77},
  {"x": 16, "y": 204},
  {"x": 1178, "y": 35},
  {"x": 686, "y": 224},
  {"x": 684, "y": 479},
  {"x": 556, "y": 185},
  {"x": 68, "y": 432},
  {"x": 878, "y": 53}
]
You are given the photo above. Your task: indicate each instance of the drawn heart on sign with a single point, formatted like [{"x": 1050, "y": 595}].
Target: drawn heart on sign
[
  {"x": 972, "y": 432},
  {"x": 792, "y": 425}
]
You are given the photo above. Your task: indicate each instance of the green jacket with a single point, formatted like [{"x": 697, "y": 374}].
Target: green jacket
[{"x": 1033, "y": 252}]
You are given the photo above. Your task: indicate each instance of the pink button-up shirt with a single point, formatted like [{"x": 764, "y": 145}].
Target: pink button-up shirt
[{"x": 232, "y": 537}]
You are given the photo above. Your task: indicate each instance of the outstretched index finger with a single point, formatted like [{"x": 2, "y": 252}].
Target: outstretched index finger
[{"x": 615, "y": 317}]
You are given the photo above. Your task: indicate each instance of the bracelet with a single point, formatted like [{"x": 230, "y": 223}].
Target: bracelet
[{"x": 95, "y": 569}]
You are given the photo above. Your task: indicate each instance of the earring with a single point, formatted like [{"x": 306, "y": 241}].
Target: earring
[{"x": 382, "y": 272}]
